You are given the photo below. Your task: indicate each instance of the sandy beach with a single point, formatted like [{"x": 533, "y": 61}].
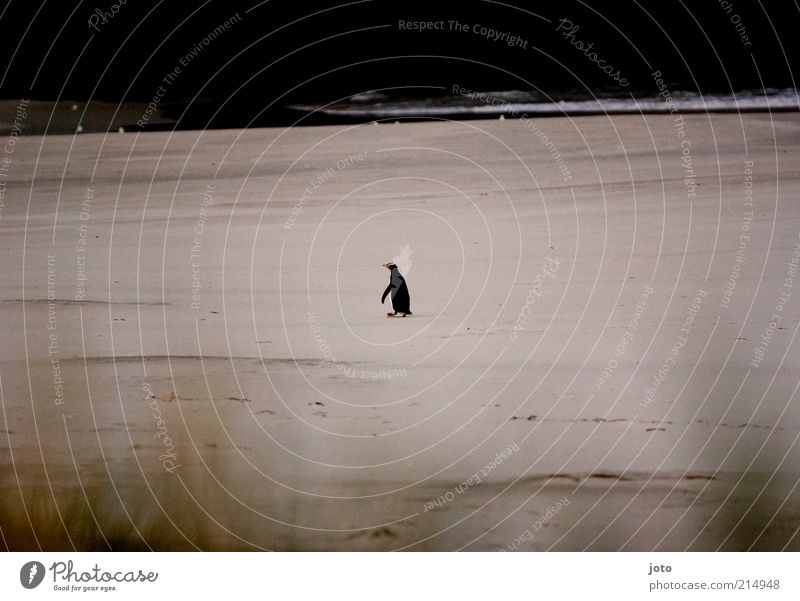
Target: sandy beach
[{"x": 602, "y": 355}]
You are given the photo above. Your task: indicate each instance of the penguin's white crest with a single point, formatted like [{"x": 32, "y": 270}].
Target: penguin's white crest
[{"x": 403, "y": 261}]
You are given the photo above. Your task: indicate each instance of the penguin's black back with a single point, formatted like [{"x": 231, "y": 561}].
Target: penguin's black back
[{"x": 401, "y": 301}]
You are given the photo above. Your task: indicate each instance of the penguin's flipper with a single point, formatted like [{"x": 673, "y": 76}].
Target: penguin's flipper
[{"x": 386, "y": 292}]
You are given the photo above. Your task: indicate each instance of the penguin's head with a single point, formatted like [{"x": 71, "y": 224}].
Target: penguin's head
[{"x": 390, "y": 266}]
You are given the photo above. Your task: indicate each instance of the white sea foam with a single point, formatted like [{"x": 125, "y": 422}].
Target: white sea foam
[{"x": 518, "y": 103}]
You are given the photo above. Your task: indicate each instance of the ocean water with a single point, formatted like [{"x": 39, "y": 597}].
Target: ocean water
[{"x": 516, "y": 103}]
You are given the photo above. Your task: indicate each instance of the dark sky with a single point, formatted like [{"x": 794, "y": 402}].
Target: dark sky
[{"x": 281, "y": 50}]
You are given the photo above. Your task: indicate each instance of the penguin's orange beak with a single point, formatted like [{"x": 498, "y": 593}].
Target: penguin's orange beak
[{"x": 386, "y": 265}]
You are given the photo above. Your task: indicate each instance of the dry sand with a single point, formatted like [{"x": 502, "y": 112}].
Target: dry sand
[{"x": 274, "y": 406}]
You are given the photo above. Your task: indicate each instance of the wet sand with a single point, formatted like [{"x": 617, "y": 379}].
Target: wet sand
[{"x": 194, "y": 355}]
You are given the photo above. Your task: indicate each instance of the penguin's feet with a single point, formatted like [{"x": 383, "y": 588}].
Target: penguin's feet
[
  {"x": 403, "y": 314},
  {"x": 391, "y": 314}
]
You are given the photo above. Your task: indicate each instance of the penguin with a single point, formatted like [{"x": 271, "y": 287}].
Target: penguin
[{"x": 401, "y": 302}]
